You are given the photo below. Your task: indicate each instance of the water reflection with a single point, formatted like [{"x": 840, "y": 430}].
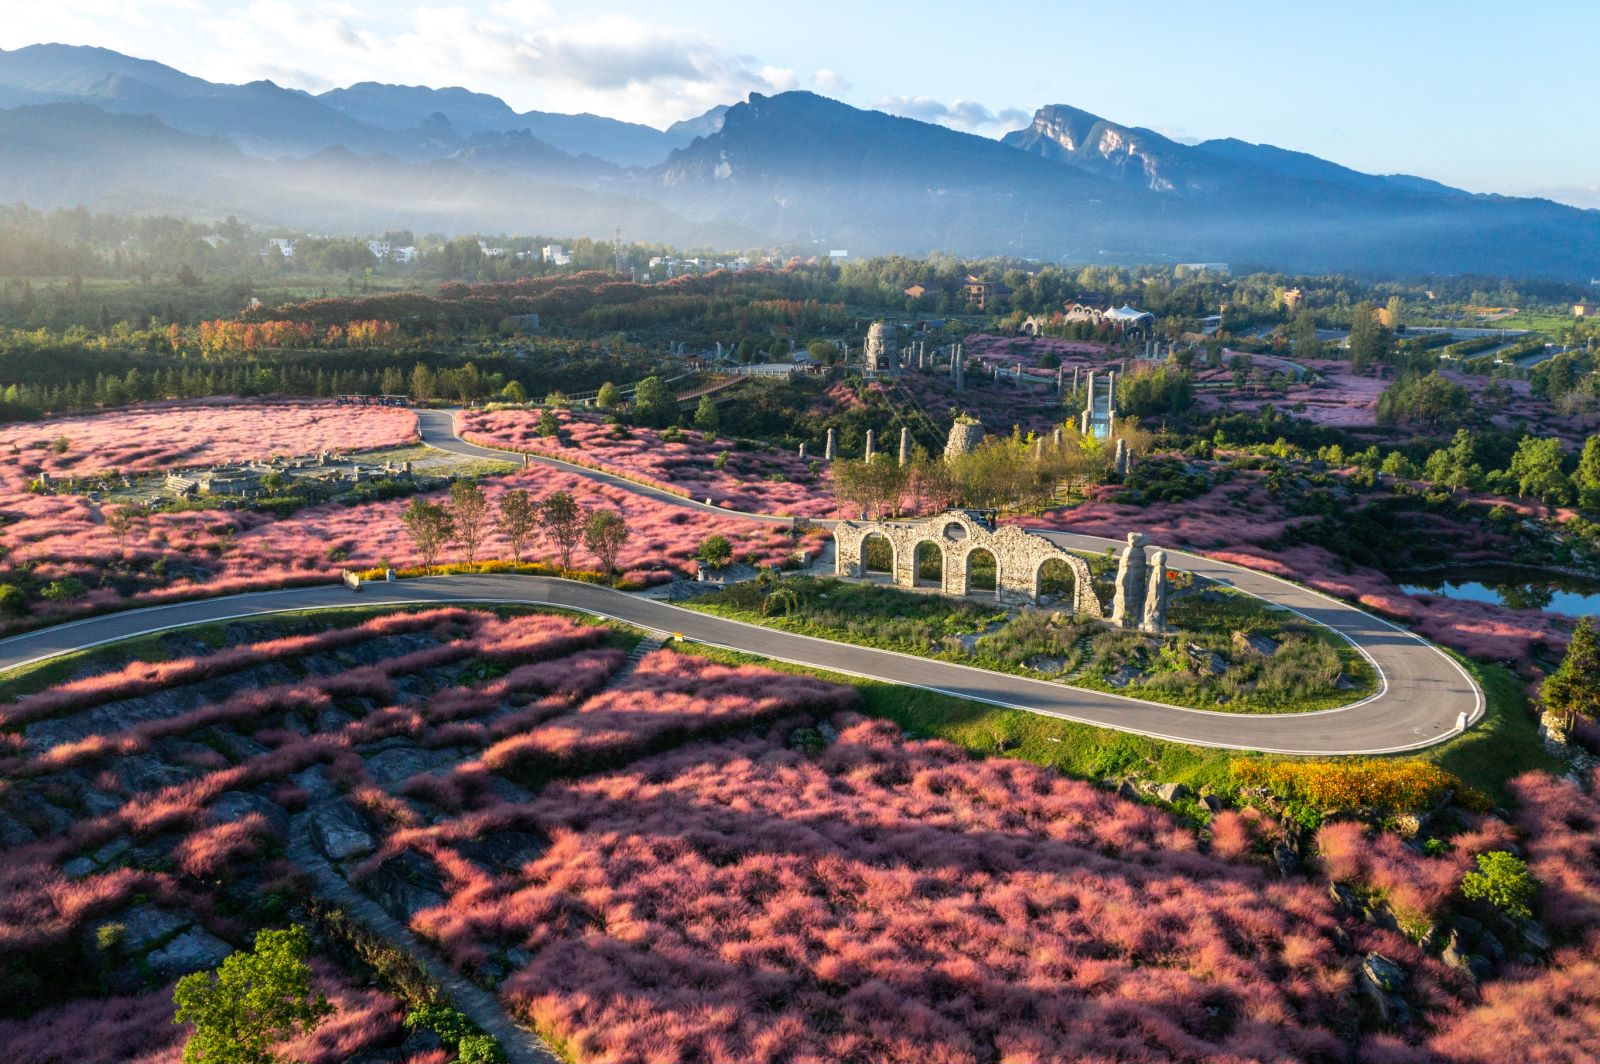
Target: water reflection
[{"x": 1517, "y": 589}]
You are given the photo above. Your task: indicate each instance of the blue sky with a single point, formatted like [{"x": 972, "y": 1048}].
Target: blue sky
[{"x": 1479, "y": 95}]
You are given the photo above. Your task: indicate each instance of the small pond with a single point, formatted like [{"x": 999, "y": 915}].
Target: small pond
[{"x": 1517, "y": 589}]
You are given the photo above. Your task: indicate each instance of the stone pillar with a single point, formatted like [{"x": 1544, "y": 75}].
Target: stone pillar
[
  {"x": 1061, "y": 374},
  {"x": 1075, "y": 370},
  {"x": 1125, "y": 605},
  {"x": 1083, "y": 426},
  {"x": 1154, "y": 620},
  {"x": 1038, "y": 451},
  {"x": 1056, "y": 439},
  {"x": 802, "y": 450},
  {"x": 1121, "y": 463},
  {"x": 870, "y": 440},
  {"x": 905, "y": 445},
  {"x": 830, "y": 450},
  {"x": 964, "y": 438}
]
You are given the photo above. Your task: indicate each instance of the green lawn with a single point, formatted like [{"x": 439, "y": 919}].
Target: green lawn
[{"x": 1202, "y": 665}]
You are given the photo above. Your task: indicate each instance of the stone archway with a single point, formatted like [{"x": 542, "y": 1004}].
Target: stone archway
[
  {"x": 928, "y": 565},
  {"x": 1069, "y": 580},
  {"x": 877, "y": 555},
  {"x": 980, "y": 571},
  {"x": 1018, "y": 555}
]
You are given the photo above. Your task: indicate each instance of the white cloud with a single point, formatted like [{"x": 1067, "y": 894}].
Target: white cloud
[
  {"x": 967, "y": 115},
  {"x": 830, "y": 83}
]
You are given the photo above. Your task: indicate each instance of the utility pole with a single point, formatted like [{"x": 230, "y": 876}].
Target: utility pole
[{"x": 616, "y": 246}]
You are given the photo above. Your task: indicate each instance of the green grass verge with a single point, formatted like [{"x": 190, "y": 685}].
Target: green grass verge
[{"x": 1503, "y": 745}]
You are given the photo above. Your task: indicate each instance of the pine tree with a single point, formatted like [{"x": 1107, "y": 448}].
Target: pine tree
[{"x": 1573, "y": 690}]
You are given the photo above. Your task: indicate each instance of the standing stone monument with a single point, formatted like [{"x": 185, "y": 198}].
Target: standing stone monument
[
  {"x": 1130, "y": 593},
  {"x": 830, "y": 450},
  {"x": 905, "y": 445},
  {"x": 1154, "y": 620},
  {"x": 802, "y": 450},
  {"x": 1120, "y": 464},
  {"x": 882, "y": 350},
  {"x": 870, "y": 448},
  {"x": 965, "y": 435}
]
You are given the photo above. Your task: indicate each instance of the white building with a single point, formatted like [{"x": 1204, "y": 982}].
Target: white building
[
  {"x": 283, "y": 245},
  {"x": 555, "y": 255},
  {"x": 379, "y": 249},
  {"x": 405, "y": 254},
  {"x": 489, "y": 252}
]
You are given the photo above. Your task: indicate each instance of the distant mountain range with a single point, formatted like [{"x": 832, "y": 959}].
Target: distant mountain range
[{"x": 94, "y": 126}]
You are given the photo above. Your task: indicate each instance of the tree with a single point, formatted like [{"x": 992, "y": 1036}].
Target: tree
[
  {"x": 1587, "y": 478},
  {"x": 120, "y": 521},
  {"x": 715, "y": 551},
  {"x": 254, "y": 999},
  {"x": 469, "y": 512},
  {"x": 604, "y": 534},
  {"x": 561, "y": 522},
  {"x": 1537, "y": 467},
  {"x": 548, "y": 425},
  {"x": 610, "y": 396},
  {"x": 517, "y": 520},
  {"x": 705, "y": 416},
  {"x": 1573, "y": 690},
  {"x": 1503, "y": 881},
  {"x": 654, "y": 404},
  {"x": 424, "y": 384},
  {"x": 514, "y": 392},
  {"x": 430, "y": 527},
  {"x": 1370, "y": 342},
  {"x": 1304, "y": 334}
]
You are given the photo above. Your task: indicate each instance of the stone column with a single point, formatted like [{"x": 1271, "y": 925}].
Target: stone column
[
  {"x": 905, "y": 445},
  {"x": 830, "y": 450},
  {"x": 1083, "y": 426},
  {"x": 1125, "y": 605},
  {"x": 1038, "y": 451},
  {"x": 1075, "y": 377},
  {"x": 1155, "y": 596},
  {"x": 1056, "y": 438},
  {"x": 870, "y": 448},
  {"x": 1121, "y": 463},
  {"x": 802, "y": 451}
]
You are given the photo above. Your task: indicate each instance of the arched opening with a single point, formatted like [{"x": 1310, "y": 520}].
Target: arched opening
[
  {"x": 1055, "y": 581},
  {"x": 983, "y": 574},
  {"x": 877, "y": 554},
  {"x": 930, "y": 565}
]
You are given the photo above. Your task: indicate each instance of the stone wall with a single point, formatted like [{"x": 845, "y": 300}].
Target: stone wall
[{"x": 1019, "y": 556}]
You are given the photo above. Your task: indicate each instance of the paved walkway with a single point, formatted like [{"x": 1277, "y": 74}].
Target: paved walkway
[
  {"x": 1425, "y": 696},
  {"x": 521, "y": 1045}
]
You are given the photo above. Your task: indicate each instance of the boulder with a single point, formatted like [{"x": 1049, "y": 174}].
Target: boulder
[
  {"x": 396, "y": 765},
  {"x": 1257, "y": 644},
  {"x": 405, "y": 884},
  {"x": 1171, "y": 792},
  {"x": 502, "y": 851},
  {"x": 1286, "y": 859},
  {"x": 193, "y": 951},
  {"x": 146, "y": 926},
  {"x": 314, "y": 781},
  {"x": 14, "y": 832},
  {"x": 339, "y": 831},
  {"x": 1383, "y": 974},
  {"x": 233, "y": 806}
]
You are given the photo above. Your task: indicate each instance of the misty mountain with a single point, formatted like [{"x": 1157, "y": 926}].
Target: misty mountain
[
  {"x": 802, "y": 168},
  {"x": 139, "y": 164},
  {"x": 400, "y": 106},
  {"x": 93, "y": 126}
]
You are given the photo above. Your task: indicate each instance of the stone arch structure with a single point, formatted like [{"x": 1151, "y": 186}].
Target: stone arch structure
[
  {"x": 895, "y": 551},
  {"x": 1019, "y": 555}
]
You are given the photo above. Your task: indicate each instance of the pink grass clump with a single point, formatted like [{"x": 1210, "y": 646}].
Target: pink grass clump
[{"x": 892, "y": 901}]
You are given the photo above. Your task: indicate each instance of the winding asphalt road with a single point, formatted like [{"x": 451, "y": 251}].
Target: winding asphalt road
[{"x": 1424, "y": 698}]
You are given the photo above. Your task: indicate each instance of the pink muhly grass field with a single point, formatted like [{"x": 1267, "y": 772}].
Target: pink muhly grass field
[
  {"x": 685, "y": 467},
  {"x": 161, "y": 436},
  {"x": 890, "y": 900}
]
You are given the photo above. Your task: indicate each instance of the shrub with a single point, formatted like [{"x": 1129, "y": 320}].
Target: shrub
[
  {"x": 449, "y": 1024},
  {"x": 548, "y": 424},
  {"x": 13, "y": 602},
  {"x": 480, "y": 1049},
  {"x": 715, "y": 551},
  {"x": 68, "y": 587},
  {"x": 1377, "y": 783},
  {"x": 256, "y": 998},
  {"x": 1503, "y": 881}
]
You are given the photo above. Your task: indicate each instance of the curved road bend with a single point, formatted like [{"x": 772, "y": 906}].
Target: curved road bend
[
  {"x": 1415, "y": 712},
  {"x": 1423, "y": 691}
]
